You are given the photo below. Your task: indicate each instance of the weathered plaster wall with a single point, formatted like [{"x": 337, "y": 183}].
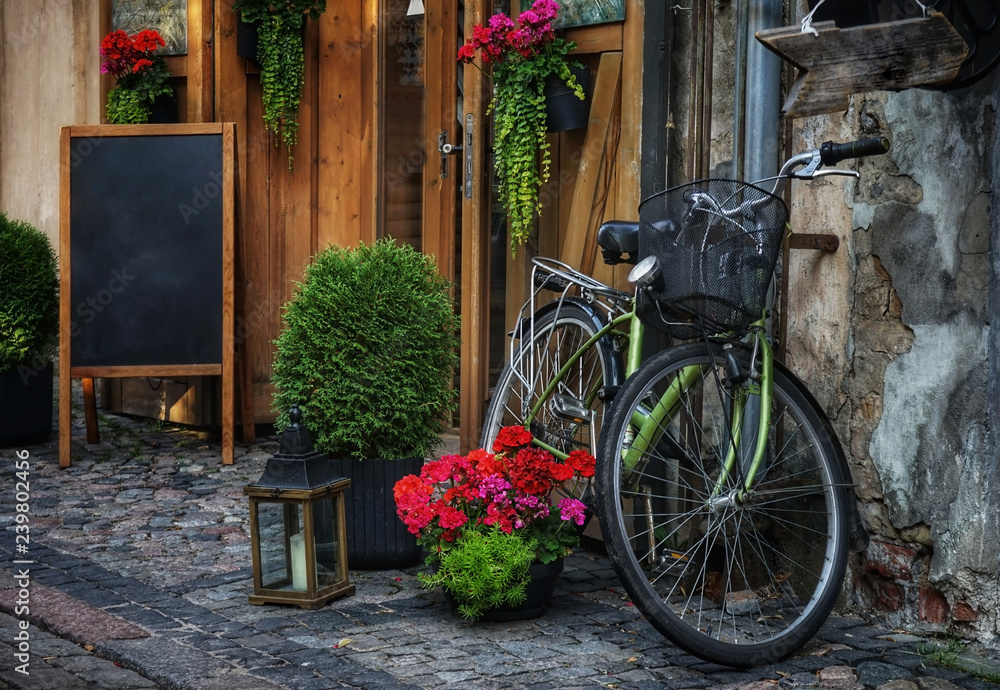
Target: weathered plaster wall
[
  {"x": 901, "y": 347},
  {"x": 49, "y": 69}
]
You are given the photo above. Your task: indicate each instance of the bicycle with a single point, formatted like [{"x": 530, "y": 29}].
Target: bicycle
[{"x": 723, "y": 494}]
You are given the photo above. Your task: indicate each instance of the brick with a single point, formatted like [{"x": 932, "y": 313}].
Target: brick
[
  {"x": 890, "y": 561},
  {"x": 932, "y": 607},
  {"x": 888, "y": 596},
  {"x": 964, "y": 613}
]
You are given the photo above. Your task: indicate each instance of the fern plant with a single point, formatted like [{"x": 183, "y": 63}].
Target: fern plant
[
  {"x": 484, "y": 570},
  {"x": 369, "y": 350},
  {"x": 282, "y": 63},
  {"x": 523, "y": 59}
]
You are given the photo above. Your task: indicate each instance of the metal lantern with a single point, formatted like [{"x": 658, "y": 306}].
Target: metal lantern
[{"x": 297, "y": 533}]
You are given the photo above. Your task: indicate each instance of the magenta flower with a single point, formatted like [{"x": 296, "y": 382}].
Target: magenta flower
[{"x": 571, "y": 509}]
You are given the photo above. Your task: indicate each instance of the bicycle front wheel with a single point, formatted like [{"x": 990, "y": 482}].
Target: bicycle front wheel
[
  {"x": 570, "y": 416},
  {"x": 736, "y": 571}
]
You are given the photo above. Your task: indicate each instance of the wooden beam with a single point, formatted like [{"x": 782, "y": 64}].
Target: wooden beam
[
  {"x": 630, "y": 145},
  {"x": 602, "y": 38},
  {"x": 835, "y": 63},
  {"x": 475, "y": 295},
  {"x": 826, "y": 243},
  {"x": 580, "y": 236}
]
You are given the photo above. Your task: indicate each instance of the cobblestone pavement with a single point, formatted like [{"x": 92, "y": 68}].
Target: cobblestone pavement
[{"x": 140, "y": 573}]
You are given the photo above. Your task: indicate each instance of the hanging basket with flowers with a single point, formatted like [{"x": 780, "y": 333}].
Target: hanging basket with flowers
[
  {"x": 140, "y": 75},
  {"x": 522, "y": 56},
  {"x": 485, "y": 518}
]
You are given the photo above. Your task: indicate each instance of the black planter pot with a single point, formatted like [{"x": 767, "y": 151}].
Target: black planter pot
[
  {"x": 563, "y": 110},
  {"x": 376, "y": 538},
  {"x": 164, "y": 110},
  {"x": 544, "y": 577},
  {"x": 25, "y": 405}
]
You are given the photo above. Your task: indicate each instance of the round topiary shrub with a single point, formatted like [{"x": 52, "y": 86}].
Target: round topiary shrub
[
  {"x": 29, "y": 295},
  {"x": 368, "y": 350}
]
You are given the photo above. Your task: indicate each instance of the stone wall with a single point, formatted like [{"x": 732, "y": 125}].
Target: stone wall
[{"x": 895, "y": 333}]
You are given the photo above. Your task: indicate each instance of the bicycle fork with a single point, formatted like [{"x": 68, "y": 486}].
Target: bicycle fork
[{"x": 748, "y": 419}]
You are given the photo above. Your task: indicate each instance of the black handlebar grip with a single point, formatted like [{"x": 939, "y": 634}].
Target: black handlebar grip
[{"x": 832, "y": 153}]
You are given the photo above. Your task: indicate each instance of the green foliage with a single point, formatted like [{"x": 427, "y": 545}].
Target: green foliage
[
  {"x": 280, "y": 56},
  {"x": 484, "y": 570},
  {"x": 130, "y": 102},
  {"x": 369, "y": 351},
  {"x": 518, "y": 108},
  {"x": 29, "y": 298}
]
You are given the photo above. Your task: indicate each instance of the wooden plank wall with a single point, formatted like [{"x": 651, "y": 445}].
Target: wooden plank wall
[{"x": 330, "y": 194}]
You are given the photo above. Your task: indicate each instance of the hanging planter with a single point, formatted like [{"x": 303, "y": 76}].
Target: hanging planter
[
  {"x": 279, "y": 52},
  {"x": 564, "y": 110},
  {"x": 523, "y": 59}
]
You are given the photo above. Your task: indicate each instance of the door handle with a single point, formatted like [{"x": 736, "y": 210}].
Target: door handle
[{"x": 446, "y": 150}]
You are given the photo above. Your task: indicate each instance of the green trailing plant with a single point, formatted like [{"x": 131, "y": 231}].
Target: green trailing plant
[
  {"x": 484, "y": 570},
  {"x": 140, "y": 75},
  {"x": 368, "y": 350},
  {"x": 280, "y": 56},
  {"x": 29, "y": 299},
  {"x": 522, "y": 60}
]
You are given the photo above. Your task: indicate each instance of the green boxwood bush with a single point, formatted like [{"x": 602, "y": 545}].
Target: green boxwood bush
[
  {"x": 29, "y": 295},
  {"x": 368, "y": 350}
]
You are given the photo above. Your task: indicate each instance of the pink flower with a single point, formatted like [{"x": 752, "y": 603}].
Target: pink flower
[{"x": 572, "y": 509}]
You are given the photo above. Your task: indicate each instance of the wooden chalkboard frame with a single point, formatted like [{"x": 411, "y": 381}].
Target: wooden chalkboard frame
[{"x": 224, "y": 368}]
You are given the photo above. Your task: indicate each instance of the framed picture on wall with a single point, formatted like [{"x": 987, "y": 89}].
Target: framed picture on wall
[
  {"x": 587, "y": 12},
  {"x": 168, "y": 17}
]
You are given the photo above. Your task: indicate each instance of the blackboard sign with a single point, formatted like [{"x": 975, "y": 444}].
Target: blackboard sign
[
  {"x": 146, "y": 248},
  {"x": 146, "y": 256}
]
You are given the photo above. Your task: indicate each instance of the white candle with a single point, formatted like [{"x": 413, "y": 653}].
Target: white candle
[{"x": 298, "y": 562}]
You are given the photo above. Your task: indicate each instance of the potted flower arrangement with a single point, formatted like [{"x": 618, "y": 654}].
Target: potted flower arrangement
[
  {"x": 368, "y": 351},
  {"x": 29, "y": 323},
  {"x": 140, "y": 75},
  {"x": 490, "y": 526},
  {"x": 525, "y": 58},
  {"x": 279, "y": 51}
]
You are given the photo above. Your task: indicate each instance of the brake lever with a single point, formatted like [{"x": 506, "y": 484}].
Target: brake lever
[{"x": 806, "y": 175}]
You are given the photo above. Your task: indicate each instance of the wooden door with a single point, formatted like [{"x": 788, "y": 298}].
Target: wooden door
[{"x": 433, "y": 191}]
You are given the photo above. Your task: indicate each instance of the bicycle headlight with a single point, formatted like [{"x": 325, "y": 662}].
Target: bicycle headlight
[{"x": 645, "y": 273}]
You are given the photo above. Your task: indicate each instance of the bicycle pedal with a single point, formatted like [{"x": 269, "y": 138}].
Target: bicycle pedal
[{"x": 571, "y": 409}]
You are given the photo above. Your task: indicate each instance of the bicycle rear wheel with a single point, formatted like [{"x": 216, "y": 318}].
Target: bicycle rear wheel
[
  {"x": 571, "y": 417},
  {"x": 735, "y": 577}
]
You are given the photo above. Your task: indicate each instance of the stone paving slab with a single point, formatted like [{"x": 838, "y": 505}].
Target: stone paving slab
[{"x": 140, "y": 552}]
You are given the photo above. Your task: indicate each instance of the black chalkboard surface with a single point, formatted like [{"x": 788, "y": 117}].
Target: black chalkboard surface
[
  {"x": 146, "y": 248},
  {"x": 146, "y": 259}
]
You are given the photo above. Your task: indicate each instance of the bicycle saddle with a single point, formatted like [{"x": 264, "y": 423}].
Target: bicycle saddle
[{"x": 618, "y": 237}]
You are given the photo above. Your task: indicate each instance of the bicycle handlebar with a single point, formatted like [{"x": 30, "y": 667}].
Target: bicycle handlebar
[{"x": 832, "y": 153}]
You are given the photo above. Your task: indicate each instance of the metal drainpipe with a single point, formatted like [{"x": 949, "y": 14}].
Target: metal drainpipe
[{"x": 763, "y": 93}]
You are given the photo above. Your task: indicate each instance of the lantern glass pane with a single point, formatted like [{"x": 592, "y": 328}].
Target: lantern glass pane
[
  {"x": 282, "y": 548},
  {"x": 326, "y": 529}
]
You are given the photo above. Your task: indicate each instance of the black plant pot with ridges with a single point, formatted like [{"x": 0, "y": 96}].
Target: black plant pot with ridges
[
  {"x": 25, "y": 405},
  {"x": 376, "y": 538}
]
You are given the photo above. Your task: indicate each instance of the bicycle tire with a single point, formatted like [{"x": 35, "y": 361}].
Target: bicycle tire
[
  {"x": 558, "y": 332},
  {"x": 739, "y": 582}
]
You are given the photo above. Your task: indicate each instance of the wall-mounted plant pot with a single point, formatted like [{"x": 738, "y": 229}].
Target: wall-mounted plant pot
[
  {"x": 165, "y": 110},
  {"x": 25, "y": 405},
  {"x": 376, "y": 538},
  {"x": 246, "y": 39},
  {"x": 563, "y": 110}
]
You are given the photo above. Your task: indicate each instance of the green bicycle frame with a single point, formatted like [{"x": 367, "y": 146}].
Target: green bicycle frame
[
  {"x": 636, "y": 331},
  {"x": 649, "y": 429}
]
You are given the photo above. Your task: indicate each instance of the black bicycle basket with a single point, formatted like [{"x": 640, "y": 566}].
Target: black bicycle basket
[{"x": 717, "y": 242}]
